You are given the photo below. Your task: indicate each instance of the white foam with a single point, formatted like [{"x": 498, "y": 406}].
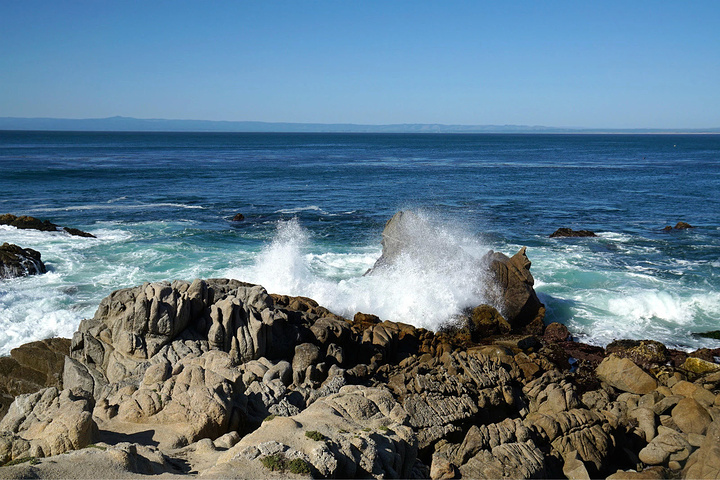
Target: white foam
[
  {"x": 426, "y": 287},
  {"x": 293, "y": 211}
]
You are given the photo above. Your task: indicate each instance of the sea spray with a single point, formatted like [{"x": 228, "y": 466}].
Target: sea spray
[{"x": 433, "y": 280}]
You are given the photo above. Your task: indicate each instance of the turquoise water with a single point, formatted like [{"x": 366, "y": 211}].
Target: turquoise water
[{"x": 315, "y": 205}]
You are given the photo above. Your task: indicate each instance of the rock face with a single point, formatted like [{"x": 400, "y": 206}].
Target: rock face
[
  {"x": 32, "y": 367},
  {"x": 17, "y": 261},
  {"x": 569, "y": 232},
  {"x": 46, "y": 423},
  {"x": 31, "y": 223}
]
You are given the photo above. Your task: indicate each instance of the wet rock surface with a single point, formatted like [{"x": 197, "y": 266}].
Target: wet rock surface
[
  {"x": 25, "y": 222},
  {"x": 16, "y": 261}
]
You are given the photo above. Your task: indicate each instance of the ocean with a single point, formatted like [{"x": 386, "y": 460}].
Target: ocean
[{"x": 315, "y": 205}]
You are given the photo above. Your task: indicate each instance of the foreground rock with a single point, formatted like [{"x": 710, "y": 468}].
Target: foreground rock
[
  {"x": 17, "y": 261},
  {"x": 569, "y": 232},
  {"x": 219, "y": 379},
  {"x": 31, "y": 223}
]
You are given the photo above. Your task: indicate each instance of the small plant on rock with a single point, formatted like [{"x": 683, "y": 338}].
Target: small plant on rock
[{"x": 317, "y": 436}]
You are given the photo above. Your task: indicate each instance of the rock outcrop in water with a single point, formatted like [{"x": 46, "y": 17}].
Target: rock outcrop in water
[
  {"x": 569, "y": 232},
  {"x": 31, "y": 223},
  {"x": 16, "y": 261},
  {"x": 506, "y": 282}
]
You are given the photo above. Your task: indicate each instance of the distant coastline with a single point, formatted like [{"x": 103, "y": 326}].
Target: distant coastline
[{"x": 129, "y": 124}]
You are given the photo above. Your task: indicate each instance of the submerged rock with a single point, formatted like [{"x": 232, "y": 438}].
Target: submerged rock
[
  {"x": 16, "y": 261},
  {"x": 569, "y": 232}
]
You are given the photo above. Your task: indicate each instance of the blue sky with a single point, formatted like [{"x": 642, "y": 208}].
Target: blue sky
[{"x": 609, "y": 64}]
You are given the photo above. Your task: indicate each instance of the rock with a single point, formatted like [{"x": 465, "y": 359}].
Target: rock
[
  {"x": 691, "y": 417},
  {"x": 17, "y": 261},
  {"x": 651, "y": 473},
  {"x": 705, "y": 462},
  {"x": 78, "y": 233},
  {"x": 682, "y": 226},
  {"x": 200, "y": 400},
  {"x": 47, "y": 422},
  {"x": 485, "y": 321},
  {"x": 556, "y": 332},
  {"x": 699, "y": 366},
  {"x": 355, "y": 433},
  {"x": 514, "y": 291},
  {"x": 624, "y": 375},
  {"x": 668, "y": 445},
  {"x": 568, "y": 232},
  {"x": 32, "y": 223},
  {"x": 574, "y": 468},
  {"x": 239, "y": 217},
  {"x": 31, "y": 367},
  {"x": 27, "y": 223},
  {"x": 646, "y": 354}
]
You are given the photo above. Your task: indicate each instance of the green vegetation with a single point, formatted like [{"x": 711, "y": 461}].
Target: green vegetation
[
  {"x": 299, "y": 466},
  {"x": 317, "y": 436},
  {"x": 18, "y": 461},
  {"x": 279, "y": 463},
  {"x": 384, "y": 428},
  {"x": 99, "y": 447},
  {"x": 366, "y": 429},
  {"x": 269, "y": 417}
]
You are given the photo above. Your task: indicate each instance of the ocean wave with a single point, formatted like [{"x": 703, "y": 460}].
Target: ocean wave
[{"x": 293, "y": 211}]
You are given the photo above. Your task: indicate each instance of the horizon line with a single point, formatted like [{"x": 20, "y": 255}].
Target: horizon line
[{"x": 123, "y": 123}]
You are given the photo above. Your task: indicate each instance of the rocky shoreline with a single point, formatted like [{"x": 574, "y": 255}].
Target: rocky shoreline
[{"x": 218, "y": 378}]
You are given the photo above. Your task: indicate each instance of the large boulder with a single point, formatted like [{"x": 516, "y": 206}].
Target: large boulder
[
  {"x": 16, "y": 261},
  {"x": 624, "y": 375}
]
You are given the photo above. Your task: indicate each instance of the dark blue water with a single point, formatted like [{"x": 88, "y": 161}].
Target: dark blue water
[{"x": 315, "y": 205}]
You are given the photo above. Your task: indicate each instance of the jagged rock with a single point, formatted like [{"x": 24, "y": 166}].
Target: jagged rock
[
  {"x": 455, "y": 389},
  {"x": 624, "y": 375},
  {"x": 357, "y": 432},
  {"x": 556, "y": 332},
  {"x": 239, "y": 217},
  {"x": 569, "y": 232},
  {"x": 48, "y": 422},
  {"x": 705, "y": 462},
  {"x": 17, "y": 261},
  {"x": 31, "y": 367},
  {"x": 574, "y": 468},
  {"x": 651, "y": 473},
  {"x": 514, "y": 288},
  {"x": 691, "y": 417},
  {"x": 200, "y": 399}
]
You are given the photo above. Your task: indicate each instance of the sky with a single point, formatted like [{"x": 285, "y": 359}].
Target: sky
[{"x": 601, "y": 64}]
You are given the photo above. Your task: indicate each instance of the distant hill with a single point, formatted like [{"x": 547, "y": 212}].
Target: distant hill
[{"x": 129, "y": 124}]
